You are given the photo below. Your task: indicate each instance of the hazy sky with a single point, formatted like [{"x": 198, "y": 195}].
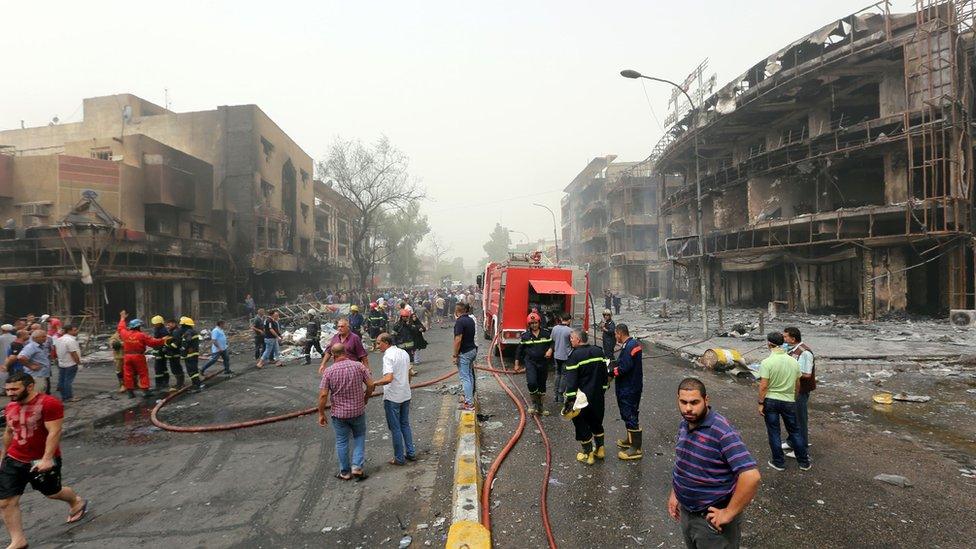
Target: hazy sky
[{"x": 498, "y": 104}]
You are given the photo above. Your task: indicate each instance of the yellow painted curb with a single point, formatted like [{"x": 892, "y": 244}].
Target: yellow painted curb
[
  {"x": 468, "y": 535},
  {"x": 466, "y": 530}
]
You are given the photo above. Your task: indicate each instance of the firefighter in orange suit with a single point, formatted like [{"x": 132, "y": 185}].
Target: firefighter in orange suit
[{"x": 134, "y": 344}]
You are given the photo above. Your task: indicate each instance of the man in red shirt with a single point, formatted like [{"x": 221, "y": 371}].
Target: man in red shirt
[
  {"x": 134, "y": 343},
  {"x": 32, "y": 454}
]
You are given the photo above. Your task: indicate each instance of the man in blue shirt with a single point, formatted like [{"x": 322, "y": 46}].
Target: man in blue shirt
[
  {"x": 36, "y": 359},
  {"x": 714, "y": 477},
  {"x": 465, "y": 351},
  {"x": 628, "y": 376},
  {"x": 218, "y": 349}
]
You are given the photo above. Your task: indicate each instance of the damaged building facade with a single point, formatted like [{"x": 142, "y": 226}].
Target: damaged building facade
[
  {"x": 141, "y": 208},
  {"x": 610, "y": 224},
  {"x": 836, "y": 174}
]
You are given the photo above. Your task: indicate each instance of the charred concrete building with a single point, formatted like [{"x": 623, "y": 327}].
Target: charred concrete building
[
  {"x": 166, "y": 211},
  {"x": 836, "y": 173},
  {"x": 610, "y": 222}
]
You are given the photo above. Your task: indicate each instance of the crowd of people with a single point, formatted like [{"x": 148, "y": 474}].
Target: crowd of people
[{"x": 714, "y": 478}]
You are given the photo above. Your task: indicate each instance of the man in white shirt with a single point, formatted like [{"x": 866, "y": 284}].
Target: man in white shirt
[
  {"x": 396, "y": 398},
  {"x": 69, "y": 357}
]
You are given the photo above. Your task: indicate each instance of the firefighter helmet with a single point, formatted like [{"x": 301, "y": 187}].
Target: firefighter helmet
[
  {"x": 186, "y": 321},
  {"x": 532, "y": 318},
  {"x": 354, "y": 308},
  {"x": 156, "y": 320}
]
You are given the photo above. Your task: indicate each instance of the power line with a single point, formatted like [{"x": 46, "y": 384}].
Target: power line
[{"x": 499, "y": 201}]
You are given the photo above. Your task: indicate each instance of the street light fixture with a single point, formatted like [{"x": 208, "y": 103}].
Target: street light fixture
[
  {"x": 525, "y": 236},
  {"x": 628, "y": 73},
  {"x": 555, "y": 239}
]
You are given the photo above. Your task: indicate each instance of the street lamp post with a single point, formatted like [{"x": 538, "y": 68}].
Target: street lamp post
[
  {"x": 555, "y": 239},
  {"x": 698, "y": 221}
]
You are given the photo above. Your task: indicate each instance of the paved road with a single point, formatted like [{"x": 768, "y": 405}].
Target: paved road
[
  {"x": 273, "y": 486},
  {"x": 836, "y": 504},
  {"x": 269, "y": 486}
]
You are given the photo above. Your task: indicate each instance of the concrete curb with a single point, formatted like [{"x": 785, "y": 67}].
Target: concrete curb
[{"x": 466, "y": 529}]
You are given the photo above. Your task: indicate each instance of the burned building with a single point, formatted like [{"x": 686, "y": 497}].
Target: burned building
[
  {"x": 226, "y": 184},
  {"x": 836, "y": 174},
  {"x": 87, "y": 237},
  {"x": 610, "y": 223}
]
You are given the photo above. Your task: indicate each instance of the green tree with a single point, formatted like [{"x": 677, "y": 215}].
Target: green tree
[
  {"x": 401, "y": 234},
  {"x": 498, "y": 244}
]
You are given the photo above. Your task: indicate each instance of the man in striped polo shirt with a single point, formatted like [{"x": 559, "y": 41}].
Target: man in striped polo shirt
[{"x": 714, "y": 477}]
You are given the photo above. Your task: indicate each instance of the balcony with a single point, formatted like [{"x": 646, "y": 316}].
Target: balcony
[
  {"x": 594, "y": 206},
  {"x": 169, "y": 186},
  {"x": 633, "y": 220},
  {"x": 633, "y": 258},
  {"x": 592, "y": 234},
  {"x": 273, "y": 260}
]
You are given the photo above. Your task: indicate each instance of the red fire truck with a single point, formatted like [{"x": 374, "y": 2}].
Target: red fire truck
[{"x": 514, "y": 288}]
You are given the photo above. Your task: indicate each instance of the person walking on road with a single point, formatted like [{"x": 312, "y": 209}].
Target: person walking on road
[
  {"x": 714, "y": 476},
  {"x": 257, "y": 328},
  {"x": 344, "y": 382},
  {"x": 586, "y": 372},
  {"x": 69, "y": 360},
  {"x": 396, "y": 399},
  {"x": 628, "y": 374},
  {"x": 218, "y": 349},
  {"x": 561, "y": 348},
  {"x": 356, "y": 320},
  {"x": 313, "y": 332},
  {"x": 779, "y": 380},
  {"x": 32, "y": 454},
  {"x": 272, "y": 340},
  {"x": 808, "y": 382},
  {"x": 35, "y": 358},
  {"x": 534, "y": 353},
  {"x": 465, "y": 352}
]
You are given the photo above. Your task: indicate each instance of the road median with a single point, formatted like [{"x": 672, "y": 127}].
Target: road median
[{"x": 466, "y": 529}]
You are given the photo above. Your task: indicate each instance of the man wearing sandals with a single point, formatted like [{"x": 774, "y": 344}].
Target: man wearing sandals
[
  {"x": 344, "y": 382},
  {"x": 32, "y": 454}
]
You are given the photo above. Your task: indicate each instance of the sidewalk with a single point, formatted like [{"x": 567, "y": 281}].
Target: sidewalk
[{"x": 836, "y": 339}]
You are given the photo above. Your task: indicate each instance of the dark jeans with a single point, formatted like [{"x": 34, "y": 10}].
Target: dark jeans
[
  {"x": 191, "y": 370},
  {"x": 398, "y": 421},
  {"x": 213, "y": 360},
  {"x": 258, "y": 346},
  {"x": 700, "y": 534},
  {"x": 802, "y": 418},
  {"x": 66, "y": 377},
  {"x": 773, "y": 410}
]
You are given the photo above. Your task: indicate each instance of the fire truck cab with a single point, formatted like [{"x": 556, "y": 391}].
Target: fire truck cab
[{"x": 514, "y": 288}]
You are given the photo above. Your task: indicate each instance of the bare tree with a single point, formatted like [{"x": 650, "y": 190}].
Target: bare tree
[
  {"x": 438, "y": 249},
  {"x": 374, "y": 177}
]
